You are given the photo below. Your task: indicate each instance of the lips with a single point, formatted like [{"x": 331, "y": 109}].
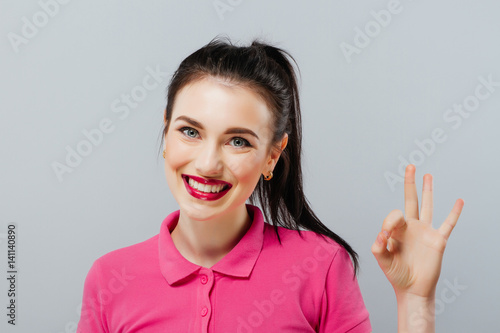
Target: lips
[{"x": 205, "y": 189}]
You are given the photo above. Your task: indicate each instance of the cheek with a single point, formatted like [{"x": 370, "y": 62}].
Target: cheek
[
  {"x": 246, "y": 168},
  {"x": 176, "y": 153}
]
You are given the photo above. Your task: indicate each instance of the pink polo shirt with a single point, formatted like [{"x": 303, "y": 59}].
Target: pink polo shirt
[{"x": 303, "y": 285}]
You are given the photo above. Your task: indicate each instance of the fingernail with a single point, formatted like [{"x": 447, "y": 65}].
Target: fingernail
[
  {"x": 427, "y": 186},
  {"x": 386, "y": 233},
  {"x": 380, "y": 240}
]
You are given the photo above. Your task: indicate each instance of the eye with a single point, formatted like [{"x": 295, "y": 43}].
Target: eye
[
  {"x": 240, "y": 142},
  {"x": 190, "y": 132}
]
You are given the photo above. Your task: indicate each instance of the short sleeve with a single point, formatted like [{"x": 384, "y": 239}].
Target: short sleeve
[
  {"x": 91, "y": 318},
  {"x": 342, "y": 306}
]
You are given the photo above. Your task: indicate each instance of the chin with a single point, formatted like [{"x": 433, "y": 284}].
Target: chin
[{"x": 200, "y": 211}]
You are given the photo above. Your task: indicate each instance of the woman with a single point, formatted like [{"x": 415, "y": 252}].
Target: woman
[{"x": 232, "y": 131}]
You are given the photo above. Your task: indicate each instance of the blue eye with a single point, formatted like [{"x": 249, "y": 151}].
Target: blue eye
[
  {"x": 240, "y": 142},
  {"x": 190, "y": 132}
]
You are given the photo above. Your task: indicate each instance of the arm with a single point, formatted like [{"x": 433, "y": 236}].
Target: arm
[
  {"x": 410, "y": 251},
  {"x": 415, "y": 313},
  {"x": 342, "y": 306},
  {"x": 91, "y": 318}
]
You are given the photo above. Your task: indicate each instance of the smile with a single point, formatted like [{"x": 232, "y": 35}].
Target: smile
[{"x": 205, "y": 189}]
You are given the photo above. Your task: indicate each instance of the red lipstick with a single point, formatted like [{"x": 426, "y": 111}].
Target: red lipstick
[{"x": 209, "y": 196}]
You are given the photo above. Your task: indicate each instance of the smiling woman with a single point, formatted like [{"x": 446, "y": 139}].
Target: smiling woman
[
  {"x": 220, "y": 135},
  {"x": 232, "y": 134}
]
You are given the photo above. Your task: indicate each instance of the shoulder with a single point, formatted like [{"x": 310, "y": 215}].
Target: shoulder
[
  {"x": 307, "y": 251},
  {"x": 306, "y": 266},
  {"x": 306, "y": 242},
  {"x": 132, "y": 251},
  {"x": 130, "y": 258}
]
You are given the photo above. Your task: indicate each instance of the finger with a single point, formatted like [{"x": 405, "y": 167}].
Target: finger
[
  {"x": 427, "y": 205},
  {"x": 379, "y": 250},
  {"x": 395, "y": 220},
  {"x": 451, "y": 221},
  {"x": 411, "y": 197}
]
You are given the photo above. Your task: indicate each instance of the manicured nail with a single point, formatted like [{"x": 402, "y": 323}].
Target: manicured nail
[
  {"x": 427, "y": 186},
  {"x": 380, "y": 240},
  {"x": 386, "y": 233}
]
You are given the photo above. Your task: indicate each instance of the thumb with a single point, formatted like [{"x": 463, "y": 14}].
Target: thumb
[{"x": 379, "y": 250}]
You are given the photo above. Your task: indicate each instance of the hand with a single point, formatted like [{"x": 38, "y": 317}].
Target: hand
[{"x": 409, "y": 251}]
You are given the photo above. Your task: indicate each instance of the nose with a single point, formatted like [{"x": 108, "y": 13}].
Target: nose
[{"x": 209, "y": 161}]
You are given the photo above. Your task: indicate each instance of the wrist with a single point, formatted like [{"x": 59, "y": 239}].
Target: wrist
[{"x": 416, "y": 313}]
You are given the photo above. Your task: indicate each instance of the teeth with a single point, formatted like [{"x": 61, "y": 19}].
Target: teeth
[{"x": 205, "y": 188}]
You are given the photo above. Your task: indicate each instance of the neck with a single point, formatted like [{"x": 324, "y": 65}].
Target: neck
[{"x": 206, "y": 242}]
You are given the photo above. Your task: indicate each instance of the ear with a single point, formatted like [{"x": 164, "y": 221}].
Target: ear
[
  {"x": 275, "y": 154},
  {"x": 284, "y": 141}
]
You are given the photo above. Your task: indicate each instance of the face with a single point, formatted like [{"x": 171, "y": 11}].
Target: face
[{"x": 217, "y": 147}]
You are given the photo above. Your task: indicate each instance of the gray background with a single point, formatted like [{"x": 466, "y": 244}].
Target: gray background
[{"x": 361, "y": 116}]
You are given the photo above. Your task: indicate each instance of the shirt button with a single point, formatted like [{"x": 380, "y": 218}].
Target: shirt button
[
  {"x": 204, "y": 311},
  {"x": 203, "y": 279}
]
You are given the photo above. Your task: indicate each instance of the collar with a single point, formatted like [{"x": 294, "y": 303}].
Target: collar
[{"x": 238, "y": 262}]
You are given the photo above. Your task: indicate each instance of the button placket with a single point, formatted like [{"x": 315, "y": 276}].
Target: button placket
[{"x": 206, "y": 280}]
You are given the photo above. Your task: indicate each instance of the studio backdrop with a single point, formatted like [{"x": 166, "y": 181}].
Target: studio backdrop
[{"x": 383, "y": 84}]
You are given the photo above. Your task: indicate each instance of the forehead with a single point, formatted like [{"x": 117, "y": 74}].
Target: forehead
[{"x": 219, "y": 104}]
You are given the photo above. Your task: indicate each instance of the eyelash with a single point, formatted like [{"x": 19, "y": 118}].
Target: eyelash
[
  {"x": 184, "y": 129},
  {"x": 245, "y": 142}
]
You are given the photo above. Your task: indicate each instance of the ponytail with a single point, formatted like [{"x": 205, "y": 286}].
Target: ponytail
[{"x": 283, "y": 200}]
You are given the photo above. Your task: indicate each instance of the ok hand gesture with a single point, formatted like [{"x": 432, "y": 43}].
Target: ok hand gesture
[{"x": 408, "y": 249}]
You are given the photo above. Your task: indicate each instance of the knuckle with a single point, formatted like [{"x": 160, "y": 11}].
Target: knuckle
[
  {"x": 397, "y": 212},
  {"x": 394, "y": 215}
]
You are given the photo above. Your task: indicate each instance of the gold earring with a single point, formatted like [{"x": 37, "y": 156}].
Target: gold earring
[
  {"x": 268, "y": 177},
  {"x": 163, "y": 153}
]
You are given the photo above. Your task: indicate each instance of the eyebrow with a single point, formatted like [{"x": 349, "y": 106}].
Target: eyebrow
[{"x": 232, "y": 130}]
